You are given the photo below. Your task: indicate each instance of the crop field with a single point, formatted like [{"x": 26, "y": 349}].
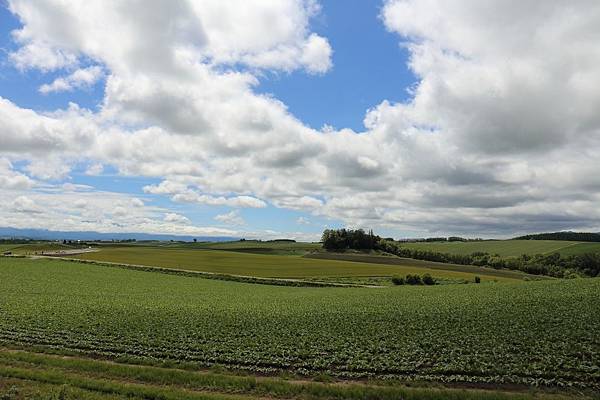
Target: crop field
[
  {"x": 5, "y": 247},
  {"x": 260, "y": 247},
  {"x": 534, "y": 333},
  {"x": 505, "y": 248},
  {"x": 275, "y": 247},
  {"x": 276, "y": 266},
  {"x": 389, "y": 260},
  {"x": 32, "y": 248},
  {"x": 580, "y": 248}
]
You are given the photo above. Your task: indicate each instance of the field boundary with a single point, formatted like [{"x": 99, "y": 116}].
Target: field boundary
[{"x": 208, "y": 275}]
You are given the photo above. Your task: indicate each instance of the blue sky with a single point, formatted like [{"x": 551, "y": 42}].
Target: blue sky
[
  {"x": 369, "y": 66},
  {"x": 246, "y": 117}
]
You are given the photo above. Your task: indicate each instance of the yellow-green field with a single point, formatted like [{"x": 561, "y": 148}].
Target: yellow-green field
[
  {"x": 506, "y": 248},
  {"x": 275, "y": 266}
]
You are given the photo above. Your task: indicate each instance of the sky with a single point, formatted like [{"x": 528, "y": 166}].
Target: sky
[{"x": 280, "y": 118}]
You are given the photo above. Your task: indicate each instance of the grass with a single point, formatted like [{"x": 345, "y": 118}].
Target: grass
[
  {"x": 580, "y": 248},
  {"x": 167, "y": 383},
  {"x": 21, "y": 389},
  {"x": 274, "y": 266},
  {"x": 505, "y": 248},
  {"x": 532, "y": 333}
]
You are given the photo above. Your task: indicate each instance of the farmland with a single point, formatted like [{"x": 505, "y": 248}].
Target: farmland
[
  {"x": 277, "y": 266},
  {"x": 534, "y": 333},
  {"x": 506, "y": 248}
]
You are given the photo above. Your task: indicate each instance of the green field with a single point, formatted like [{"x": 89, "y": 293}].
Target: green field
[
  {"x": 259, "y": 247},
  {"x": 276, "y": 266},
  {"x": 535, "y": 333},
  {"x": 505, "y": 248},
  {"x": 580, "y": 248},
  {"x": 390, "y": 260},
  {"x": 32, "y": 248}
]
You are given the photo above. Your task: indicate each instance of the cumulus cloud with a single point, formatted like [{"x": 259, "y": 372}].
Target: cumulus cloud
[
  {"x": 231, "y": 218},
  {"x": 83, "y": 208},
  {"x": 501, "y": 134},
  {"x": 24, "y": 204},
  {"x": 82, "y": 78},
  {"x": 11, "y": 179},
  {"x": 182, "y": 193},
  {"x": 236, "y": 201},
  {"x": 176, "y": 218}
]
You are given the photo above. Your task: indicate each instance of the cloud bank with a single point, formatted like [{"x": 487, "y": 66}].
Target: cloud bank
[{"x": 501, "y": 135}]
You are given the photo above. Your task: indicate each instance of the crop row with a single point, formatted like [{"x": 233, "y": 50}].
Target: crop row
[{"x": 535, "y": 333}]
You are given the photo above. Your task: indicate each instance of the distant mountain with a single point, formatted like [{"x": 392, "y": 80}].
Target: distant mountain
[
  {"x": 44, "y": 234},
  {"x": 572, "y": 236}
]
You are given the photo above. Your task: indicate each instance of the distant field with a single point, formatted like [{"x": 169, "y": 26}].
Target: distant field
[
  {"x": 377, "y": 259},
  {"x": 260, "y": 247},
  {"x": 275, "y": 266},
  {"x": 6, "y": 247},
  {"x": 534, "y": 333},
  {"x": 505, "y": 248},
  {"x": 33, "y": 248},
  {"x": 580, "y": 248}
]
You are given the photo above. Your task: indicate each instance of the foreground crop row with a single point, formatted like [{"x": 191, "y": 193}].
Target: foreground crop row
[{"x": 536, "y": 333}]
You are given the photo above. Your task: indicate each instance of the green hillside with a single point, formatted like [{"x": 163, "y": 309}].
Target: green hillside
[{"x": 505, "y": 248}]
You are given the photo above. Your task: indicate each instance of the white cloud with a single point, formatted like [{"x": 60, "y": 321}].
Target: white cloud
[
  {"x": 11, "y": 179},
  {"x": 94, "y": 169},
  {"x": 502, "y": 132},
  {"x": 81, "y": 78},
  {"x": 316, "y": 54},
  {"x": 137, "y": 202},
  {"x": 230, "y": 218},
  {"x": 48, "y": 169},
  {"x": 51, "y": 207},
  {"x": 80, "y": 203},
  {"x": 303, "y": 221},
  {"x": 236, "y": 201},
  {"x": 24, "y": 204},
  {"x": 42, "y": 56},
  {"x": 176, "y": 218},
  {"x": 271, "y": 34}
]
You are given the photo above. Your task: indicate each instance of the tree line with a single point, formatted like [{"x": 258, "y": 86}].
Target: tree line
[
  {"x": 570, "y": 236},
  {"x": 555, "y": 265}
]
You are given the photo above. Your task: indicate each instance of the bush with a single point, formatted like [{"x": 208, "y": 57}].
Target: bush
[
  {"x": 477, "y": 279},
  {"x": 413, "y": 280},
  {"x": 428, "y": 280},
  {"x": 398, "y": 280}
]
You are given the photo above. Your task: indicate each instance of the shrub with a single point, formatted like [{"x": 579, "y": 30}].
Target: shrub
[
  {"x": 428, "y": 280},
  {"x": 477, "y": 279},
  {"x": 413, "y": 280},
  {"x": 398, "y": 280}
]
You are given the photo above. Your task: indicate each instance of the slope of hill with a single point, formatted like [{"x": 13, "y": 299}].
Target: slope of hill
[
  {"x": 505, "y": 248},
  {"x": 571, "y": 236}
]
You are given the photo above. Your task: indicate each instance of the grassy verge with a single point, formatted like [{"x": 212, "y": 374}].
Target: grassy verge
[{"x": 135, "y": 381}]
